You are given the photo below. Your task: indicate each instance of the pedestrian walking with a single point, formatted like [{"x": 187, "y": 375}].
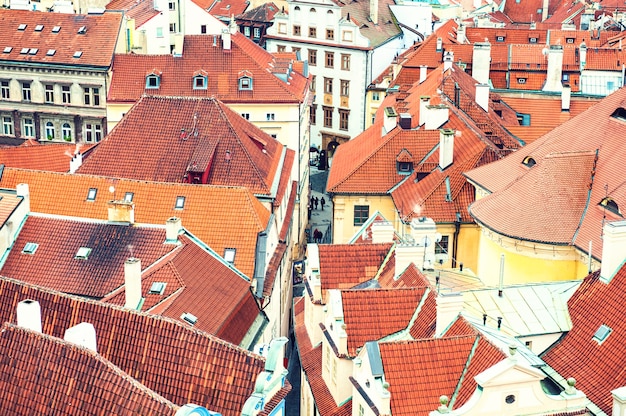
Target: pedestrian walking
[
  {"x": 312, "y": 202},
  {"x": 316, "y": 235},
  {"x": 322, "y": 202},
  {"x": 316, "y": 201}
]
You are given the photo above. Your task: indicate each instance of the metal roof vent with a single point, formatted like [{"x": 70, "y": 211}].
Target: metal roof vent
[{"x": 187, "y": 317}]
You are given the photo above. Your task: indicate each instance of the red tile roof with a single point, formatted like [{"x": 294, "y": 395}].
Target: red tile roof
[
  {"x": 140, "y": 10},
  {"x": 53, "y": 157},
  {"x": 181, "y": 364},
  {"x": 8, "y": 203},
  {"x": 222, "y": 217},
  {"x": 377, "y": 32},
  {"x": 223, "y": 68},
  {"x": 224, "y": 9},
  {"x": 262, "y": 13},
  {"x": 603, "y": 368},
  {"x": 527, "y": 11},
  {"x": 101, "y": 30},
  {"x": 45, "y": 374},
  {"x": 188, "y": 135},
  {"x": 578, "y": 164}
]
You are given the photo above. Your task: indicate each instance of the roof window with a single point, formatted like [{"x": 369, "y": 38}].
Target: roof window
[
  {"x": 187, "y": 317},
  {"x": 229, "y": 255},
  {"x": 56, "y": 29},
  {"x": 22, "y": 26},
  {"x": 619, "y": 114},
  {"x": 610, "y": 205},
  {"x": 38, "y": 28},
  {"x": 602, "y": 334},
  {"x": 82, "y": 30},
  {"x": 83, "y": 253},
  {"x": 91, "y": 195},
  {"x": 30, "y": 248},
  {"x": 529, "y": 161},
  {"x": 78, "y": 54},
  {"x": 51, "y": 52},
  {"x": 245, "y": 83},
  {"x": 33, "y": 51},
  {"x": 128, "y": 196},
  {"x": 180, "y": 202},
  {"x": 24, "y": 51},
  {"x": 8, "y": 49},
  {"x": 200, "y": 82},
  {"x": 157, "y": 288}
]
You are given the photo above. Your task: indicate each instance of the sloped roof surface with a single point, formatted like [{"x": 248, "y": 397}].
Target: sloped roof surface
[
  {"x": 140, "y": 10},
  {"x": 101, "y": 30},
  {"x": 377, "y": 32},
  {"x": 52, "y": 157},
  {"x": 222, "y": 67},
  {"x": 262, "y": 13},
  {"x": 8, "y": 204},
  {"x": 187, "y": 134},
  {"x": 222, "y": 217},
  {"x": 43, "y": 374}
]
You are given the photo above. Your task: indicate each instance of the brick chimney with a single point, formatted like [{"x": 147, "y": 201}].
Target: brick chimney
[
  {"x": 449, "y": 305},
  {"x": 122, "y": 211},
  {"x": 132, "y": 283},
  {"x": 83, "y": 334},
  {"x": 446, "y": 147},
  {"x": 29, "y": 315},
  {"x": 481, "y": 62},
  {"x": 173, "y": 226},
  {"x": 613, "y": 255}
]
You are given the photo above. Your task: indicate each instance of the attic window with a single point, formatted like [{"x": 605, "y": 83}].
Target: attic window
[
  {"x": 521, "y": 80},
  {"x": 404, "y": 168},
  {"x": 619, "y": 114},
  {"x": 82, "y": 30},
  {"x": 8, "y": 49},
  {"x": 187, "y": 317},
  {"x": 153, "y": 81},
  {"x": 24, "y": 51},
  {"x": 38, "y": 28},
  {"x": 569, "y": 40},
  {"x": 602, "y": 334},
  {"x": 610, "y": 205},
  {"x": 229, "y": 255},
  {"x": 245, "y": 83},
  {"x": 529, "y": 161},
  {"x": 499, "y": 38},
  {"x": 51, "y": 52},
  {"x": 30, "y": 248},
  {"x": 157, "y": 288},
  {"x": 83, "y": 253},
  {"x": 22, "y": 26},
  {"x": 91, "y": 195},
  {"x": 532, "y": 40},
  {"x": 77, "y": 54},
  {"x": 56, "y": 29},
  {"x": 128, "y": 197},
  {"x": 200, "y": 82},
  {"x": 33, "y": 51},
  {"x": 180, "y": 202}
]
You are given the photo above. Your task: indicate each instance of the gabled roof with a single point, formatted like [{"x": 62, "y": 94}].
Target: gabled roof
[
  {"x": 205, "y": 52},
  {"x": 54, "y": 374},
  {"x": 8, "y": 203},
  {"x": 262, "y": 13},
  {"x": 222, "y": 217},
  {"x": 140, "y": 10},
  {"x": 377, "y": 32},
  {"x": 52, "y": 157},
  {"x": 32, "y": 46},
  {"x": 206, "y": 370},
  {"x": 603, "y": 368},
  {"x": 185, "y": 136},
  {"x": 528, "y": 11},
  {"x": 573, "y": 168},
  {"x": 224, "y": 9}
]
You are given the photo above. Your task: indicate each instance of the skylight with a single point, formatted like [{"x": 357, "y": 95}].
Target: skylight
[
  {"x": 529, "y": 161},
  {"x": 38, "y": 28},
  {"x": 33, "y": 51},
  {"x": 91, "y": 195},
  {"x": 83, "y": 253},
  {"x": 30, "y": 248},
  {"x": 180, "y": 202},
  {"x": 128, "y": 197},
  {"x": 24, "y": 51},
  {"x": 229, "y": 255},
  {"x": 78, "y": 54},
  {"x": 51, "y": 52},
  {"x": 157, "y": 288},
  {"x": 187, "y": 317},
  {"x": 610, "y": 205},
  {"x": 56, "y": 29},
  {"x": 602, "y": 333},
  {"x": 8, "y": 49},
  {"x": 82, "y": 30},
  {"x": 22, "y": 26}
]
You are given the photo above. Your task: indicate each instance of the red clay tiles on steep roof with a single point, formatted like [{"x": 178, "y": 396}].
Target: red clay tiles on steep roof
[
  {"x": 128, "y": 82},
  {"x": 58, "y": 373},
  {"x": 224, "y": 8},
  {"x": 139, "y": 10},
  {"x": 241, "y": 154},
  {"x": 50, "y": 157},
  {"x": 101, "y": 30},
  {"x": 8, "y": 204},
  {"x": 262, "y": 13}
]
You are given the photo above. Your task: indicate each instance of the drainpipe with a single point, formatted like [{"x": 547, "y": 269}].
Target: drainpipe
[{"x": 455, "y": 241}]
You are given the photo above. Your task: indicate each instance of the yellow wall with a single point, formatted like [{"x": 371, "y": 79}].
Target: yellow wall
[{"x": 343, "y": 213}]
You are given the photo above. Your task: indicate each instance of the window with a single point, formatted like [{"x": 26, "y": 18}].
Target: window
[
  {"x": 7, "y": 125},
  {"x": 569, "y": 40},
  {"x": 66, "y": 131},
  {"x": 77, "y": 54},
  {"x": 152, "y": 81},
  {"x": 523, "y": 119},
  {"x": 404, "y": 168},
  {"x": 159, "y": 32},
  {"x": 361, "y": 410},
  {"x": 7, "y": 49},
  {"x": 328, "y": 85},
  {"x": 282, "y": 29},
  {"x": 245, "y": 83},
  {"x": 22, "y": 26},
  {"x": 38, "y": 28},
  {"x": 442, "y": 246},
  {"x": 66, "y": 95},
  {"x": 343, "y": 119},
  {"x": 200, "y": 82},
  {"x": 529, "y": 161},
  {"x": 296, "y": 30},
  {"x": 56, "y": 29},
  {"x": 313, "y": 114},
  {"x": 28, "y": 129},
  {"x": 180, "y": 202},
  {"x": 5, "y": 92},
  {"x": 246, "y": 116},
  {"x": 229, "y": 255},
  {"x": 375, "y": 96},
  {"x": 270, "y": 116},
  {"x": 30, "y": 248},
  {"x": 312, "y": 57},
  {"x": 345, "y": 62},
  {"x": 91, "y": 195},
  {"x": 361, "y": 214},
  {"x": 83, "y": 253},
  {"x": 499, "y": 38},
  {"x": 532, "y": 40},
  {"x": 330, "y": 34},
  {"x": 172, "y": 5},
  {"x": 49, "y": 93},
  {"x": 328, "y": 117},
  {"x": 330, "y": 59},
  {"x": 602, "y": 333},
  {"x": 257, "y": 32},
  {"x": 246, "y": 31},
  {"x": 313, "y": 83},
  {"x": 203, "y": 29},
  {"x": 521, "y": 80},
  {"x": 346, "y": 35},
  {"x": 51, "y": 52},
  {"x": 92, "y": 96},
  {"x": 189, "y": 318},
  {"x": 93, "y": 132},
  {"x": 26, "y": 91},
  {"x": 345, "y": 88},
  {"x": 610, "y": 205},
  {"x": 50, "y": 133},
  {"x": 281, "y": 48},
  {"x": 157, "y": 288},
  {"x": 128, "y": 196},
  {"x": 312, "y": 32},
  {"x": 565, "y": 77},
  {"x": 172, "y": 27}
]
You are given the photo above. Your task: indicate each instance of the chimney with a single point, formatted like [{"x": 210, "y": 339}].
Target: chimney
[
  {"x": 173, "y": 226},
  {"x": 482, "y": 96},
  {"x": 555, "y": 69},
  {"x": 405, "y": 121},
  {"x": 132, "y": 283},
  {"x": 449, "y": 305},
  {"x": 583, "y": 55},
  {"x": 439, "y": 44},
  {"x": 75, "y": 162},
  {"x": 232, "y": 26},
  {"x": 29, "y": 315},
  {"x": 544, "y": 10},
  {"x": 423, "y": 73},
  {"x": 448, "y": 58},
  {"x": 226, "y": 39},
  {"x": 436, "y": 116},
  {"x": 21, "y": 189},
  {"x": 83, "y": 334},
  {"x": 374, "y": 11},
  {"x": 446, "y": 147},
  {"x": 613, "y": 256},
  {"x": 566, "y": 97},
  {"x": 122, "y": 211},
  {"x": 460, "y": 33},
  {"x": 382, "y": 232},
  {"x": 390, "y": 120},
  {"x": 424, "y": 102},
  {"x": 481, "y": 62},
  {"x": 178, "y": 45},
  {"x": 619, "y": 401}
]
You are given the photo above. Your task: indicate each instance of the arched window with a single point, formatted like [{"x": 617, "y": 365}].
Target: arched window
[
  {"x": 66, "y": 131},
  {"x": 330, "y": 12},
  {"x": 610, "y": 205},
  {"x": 313, "y": 10},
  {"x": 529, "y": 161},
  {"x": 50, "y": 130}
]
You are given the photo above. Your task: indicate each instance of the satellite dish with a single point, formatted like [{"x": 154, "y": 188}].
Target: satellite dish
[
  {"x": 426, "y": 241},
  {"x": 438, "y": 237}
]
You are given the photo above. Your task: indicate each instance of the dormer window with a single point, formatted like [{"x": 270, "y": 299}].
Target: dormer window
[
  {"x": 529, "y": 162},
  {"x": 500, "y": 38},
  {"x": 83, "y": 253},
  {"x": 404, "y": 162},
  {"x": 200, "y": 80},
  {"x": 610, "y": 205},
  {"x": 245, "y": 83},
  {"x": 532, "y": 40},
  {"x": 153, "y": 80}
]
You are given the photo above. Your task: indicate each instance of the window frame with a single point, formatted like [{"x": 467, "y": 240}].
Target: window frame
[
  {"x": 344, "y": 119},
  {"x": 330, "y": 34},
  {"x": 296, "y": 30},
  {"x": 26, "y": 91},
  {"x": 7, "y": 125},
  {"x": 245, "y": 83},
  {"x": 360, "y": 219},
  {"x": 328, "y": 85},
  {"x": 344, "y": 89},
  {"x": 328, "y": 116},
  {"x": 5, "y": 89},
  {"x": 50, "y": 130},
  {"x": 66, "y": 131},
  {"x": 313, "y": 57},
  {"x": 153, "y": 82},
  {"x": 28, "y": 127},
  {"x": 329, "y": 59},
  {"x": 49, "y": 93},
  {"x": 66, "y": 94},
  {"x": 345, "y": 62},
  {"x": 313, "y": 32}
]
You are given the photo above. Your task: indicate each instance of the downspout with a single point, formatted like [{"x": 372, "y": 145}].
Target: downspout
[
  {"x": 368, "y": 68},
  {"x": 455, "y": 240}
]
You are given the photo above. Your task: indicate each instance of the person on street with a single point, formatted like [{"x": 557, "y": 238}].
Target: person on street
[{"x": 322, "y": 202}]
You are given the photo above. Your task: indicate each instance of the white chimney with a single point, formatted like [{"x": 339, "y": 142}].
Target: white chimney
[
  {"x": 448, "y": 58},
  {"x": 424, "y": 102},
  {"x": 382, "y": 232},
  {"x": 439, "y": 44},
  {"x": 436, "y": 116},
  {"x": 83, "y": 334},
  {"x": 544, "y": 10},
  {"x": 446, "y": 147},
  {"x": 21, "y": 189},
  {"x": 613, "y": 254},
  {"x": 407, "y": 253},
  {"x": 460, "y": 33},
  {"x": 178, "y": 45},
  {"x": 423, "y": 73},
  {"x": 619, "y": 401},
  {"x": 566, "y": 97},
  {"x": 132, "y": 282},
  {"x": 173, "y": 226},
  {"x": 482, "y": 96},
  {"x": 391, "y": 120},
  {"x": 122, "y": 211},
  {"x": 374, "y": 11},
  {"x": 583, "y": 55},
  {"x": 29, "y": 315},
  {"x": 226, "y": 39},
  {"x": 75, "y": 162},
  {"x": 449, "y": 305},
  {"x": 555, "y": 69},
  {"x": 481, "y": 62}
]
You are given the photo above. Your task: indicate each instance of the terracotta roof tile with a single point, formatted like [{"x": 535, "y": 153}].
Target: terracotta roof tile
[
  {"x": 224, "y": 8},
  {"x": 377, "y": 32},
  {"x": 50, "y": 157},
  {"x": 262, "y": 13},
  {"x": 8, "y": 204},
  {"x": 140, "y": 10}
]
